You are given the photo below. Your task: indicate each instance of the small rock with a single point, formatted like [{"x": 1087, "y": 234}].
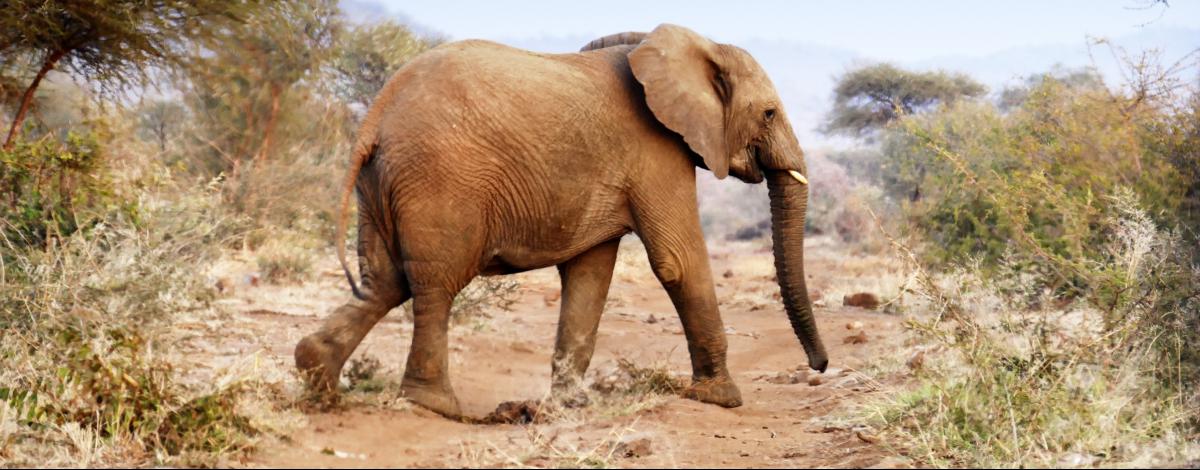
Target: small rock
[
  {"x": 866, "y": 436},
  {"x": 728, "y": 274},
  {"x": 859, "y": 338},
  {"x": 862, "y": 300},
  {"x": 651, "y": 319},
  {"x": 815, "y": 380},
  {"x": 514, "y": 412},
  {"x": 855, "y": 325},
  {"x": 552, "y": 297},
  {"x": 788, "y": 378},
  {"x": 850, "y": 381},
  {"x": 635, "y": 448}
]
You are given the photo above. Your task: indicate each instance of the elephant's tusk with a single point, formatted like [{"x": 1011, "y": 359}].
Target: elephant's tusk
[{"x": 799, "y": 177}]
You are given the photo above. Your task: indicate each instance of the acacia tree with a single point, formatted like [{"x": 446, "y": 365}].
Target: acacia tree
[
  {"x": 241, "y": 80},
  {"x": 867, "y": 98},
  {"x": 1013, "y": 97},
  {"x": 367, "y": 55},
  {"x": 158, "y": 121},
  {"x": 111, "y": 43}
]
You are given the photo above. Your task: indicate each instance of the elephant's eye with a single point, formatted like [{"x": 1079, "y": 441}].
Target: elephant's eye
[{"x": 769, "y": 114}]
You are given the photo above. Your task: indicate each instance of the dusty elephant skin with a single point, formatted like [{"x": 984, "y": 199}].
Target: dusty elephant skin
[{"x": 480, "y": 159}]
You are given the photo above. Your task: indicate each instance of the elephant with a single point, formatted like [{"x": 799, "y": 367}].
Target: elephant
[{"x": 481, "y": 159}]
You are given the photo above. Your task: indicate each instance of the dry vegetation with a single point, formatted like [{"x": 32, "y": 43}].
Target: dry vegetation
[{"x": 1056, "y": 307}]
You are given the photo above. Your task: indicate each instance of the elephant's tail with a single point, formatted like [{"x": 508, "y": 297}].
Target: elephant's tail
[{"x": 364, "y": 149}]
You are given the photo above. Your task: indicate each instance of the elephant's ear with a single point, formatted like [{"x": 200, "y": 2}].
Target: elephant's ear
[{"x": 686, "y": 89}]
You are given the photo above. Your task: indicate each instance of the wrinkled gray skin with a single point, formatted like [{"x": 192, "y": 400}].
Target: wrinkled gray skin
[{"x": 480, "y": 159}]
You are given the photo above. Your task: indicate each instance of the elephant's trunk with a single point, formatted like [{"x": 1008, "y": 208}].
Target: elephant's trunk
[{"x": 789, "y": 204}]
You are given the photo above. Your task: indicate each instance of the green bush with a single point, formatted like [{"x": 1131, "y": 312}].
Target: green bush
[
  {"x": 977, "y": 178},
  {"x": 55, "y": 187}
]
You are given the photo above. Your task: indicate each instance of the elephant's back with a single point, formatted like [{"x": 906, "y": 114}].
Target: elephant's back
[
  {"x": 478, "y": 101},
  {"x": 467, "y": 80}
]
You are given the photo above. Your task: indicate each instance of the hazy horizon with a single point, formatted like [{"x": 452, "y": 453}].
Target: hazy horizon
[
  {"x": 962, "y": 28},
  {"x": 805, "y": 45}
]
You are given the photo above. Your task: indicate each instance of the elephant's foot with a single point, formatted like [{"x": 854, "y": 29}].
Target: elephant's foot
[
  {"x": 719, "y": 391},
  {"x": 569, "y": 396},
  {"x": 318, "y": 363},
  {"x": 438, "y": 398}
]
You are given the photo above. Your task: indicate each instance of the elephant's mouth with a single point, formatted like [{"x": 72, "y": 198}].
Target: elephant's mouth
[{"x": 753, "y": 173}]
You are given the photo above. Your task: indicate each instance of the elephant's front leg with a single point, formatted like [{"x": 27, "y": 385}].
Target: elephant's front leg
[
  {"x": 675, "y": 245},
  {"x": 585, "y": 282}
]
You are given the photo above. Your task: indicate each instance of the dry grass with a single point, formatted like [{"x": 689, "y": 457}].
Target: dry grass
[
  {"x": 1065, "y": 386},
  {"x": 88, "y": 367},
  {"x": 286, "y": 258},
  {"x": 568, "y": 437},
  {"x": 551, "y": 447}
]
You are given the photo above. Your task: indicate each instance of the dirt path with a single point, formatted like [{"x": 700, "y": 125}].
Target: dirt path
[{"x": 507, "y": 357}]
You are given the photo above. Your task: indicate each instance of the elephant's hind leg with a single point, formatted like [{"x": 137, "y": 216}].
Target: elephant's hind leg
[
  {"x": 441, "y": 256},
  {"x": 320, "y": 356},
  {"x": 427, "y": 373},
  {"x": 585, "y": 282}
]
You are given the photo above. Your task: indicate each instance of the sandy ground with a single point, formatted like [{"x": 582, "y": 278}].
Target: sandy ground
[{"x": 505, "y": 355}]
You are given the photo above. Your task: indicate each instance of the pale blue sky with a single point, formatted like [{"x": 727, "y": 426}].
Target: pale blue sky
[
  {"x": 894, "y": 30},
  {"x": 804, "y": 45}
]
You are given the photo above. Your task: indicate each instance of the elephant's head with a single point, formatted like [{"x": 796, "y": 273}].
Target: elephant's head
[{"x": 721, "y": 102}]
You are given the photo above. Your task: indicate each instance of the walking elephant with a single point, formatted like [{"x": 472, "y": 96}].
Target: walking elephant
[{"x": 481, "y": 159}]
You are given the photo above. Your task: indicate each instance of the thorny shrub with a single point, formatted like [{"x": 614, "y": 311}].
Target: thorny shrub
[
  {"x": 1033, "y": 380},
  {"x": 85, "y": 321},
  {"x": 483, "y": 293}
]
